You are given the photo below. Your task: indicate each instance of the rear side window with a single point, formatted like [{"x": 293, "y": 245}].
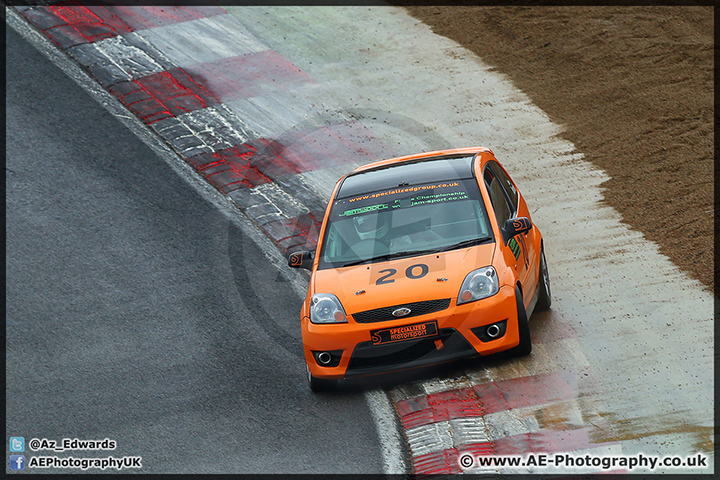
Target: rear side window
[
  {"x": 506, "y": 183},
  {"x": 501, "y": 200}
]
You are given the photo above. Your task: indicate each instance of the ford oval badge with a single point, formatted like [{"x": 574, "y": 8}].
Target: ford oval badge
[{"x": 401, "y": 312}]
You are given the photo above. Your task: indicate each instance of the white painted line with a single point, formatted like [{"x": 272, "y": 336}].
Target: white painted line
[
  {"x": 202, "y": 131},
  {"x": 507, "y": 424},
  {"x": 391, "y": 441},
  {"x": 437, "y": 385},
  {"x": 430, "y": 438},
  {"x": 286, "y": 204},
  {"x": 222, "y": 37},
  {"x": 466, "y": 431},
  {"x": 114, "y": 60}
]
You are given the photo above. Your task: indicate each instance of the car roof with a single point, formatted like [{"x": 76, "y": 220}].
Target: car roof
[{"x": 443, "y": 165}]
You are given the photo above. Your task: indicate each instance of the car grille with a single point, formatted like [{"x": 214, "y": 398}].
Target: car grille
[
  {"x": 369, "y": 358},
  {"x": 417, "y": 308}
]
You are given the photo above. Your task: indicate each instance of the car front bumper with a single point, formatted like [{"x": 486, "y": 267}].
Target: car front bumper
[{"x": 352, "y": 342}]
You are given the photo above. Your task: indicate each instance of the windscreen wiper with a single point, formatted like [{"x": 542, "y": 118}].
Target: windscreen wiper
[
  {"x": 411, "y": 253},
  {"x": 464, "y": 244},
  {"x": 357, "y": 262},
  {"x": 387, "y": 256}
]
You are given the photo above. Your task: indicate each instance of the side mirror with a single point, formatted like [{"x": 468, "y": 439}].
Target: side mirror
[
  {"x": 301, "y": 259},
  {"x": 515, "y": 226}
]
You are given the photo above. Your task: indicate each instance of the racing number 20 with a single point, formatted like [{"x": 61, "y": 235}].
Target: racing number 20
[{"x": 410, "y": 272}]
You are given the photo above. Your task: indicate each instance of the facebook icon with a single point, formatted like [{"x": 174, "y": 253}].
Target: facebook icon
[{"x": 17, "y": 462}]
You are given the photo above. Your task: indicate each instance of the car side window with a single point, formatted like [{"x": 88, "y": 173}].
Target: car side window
[
  {"x": 506, "y": 183},
  {"x": 498, "y": 198}
]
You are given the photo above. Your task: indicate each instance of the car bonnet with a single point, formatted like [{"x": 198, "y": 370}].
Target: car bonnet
[{"x": 406, "y": 280}]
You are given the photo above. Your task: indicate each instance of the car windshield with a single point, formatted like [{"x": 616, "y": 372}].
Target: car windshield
[{"x": 405, "y": 221}]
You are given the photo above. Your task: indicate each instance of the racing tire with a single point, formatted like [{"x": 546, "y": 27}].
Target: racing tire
[
  {"x": 525, "y": 345},
  {"x": 544, "y": 297},
  {"x": 318, "y": 385}
]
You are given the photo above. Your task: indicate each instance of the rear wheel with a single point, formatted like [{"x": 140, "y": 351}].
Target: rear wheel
[
  {"x": 544, "y": 298},
  {"x": 525, "y": 345},
  {"x": 319, "y": 384}
]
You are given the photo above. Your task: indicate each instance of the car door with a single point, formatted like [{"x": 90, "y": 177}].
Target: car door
[{"x": 508, "y": 203}]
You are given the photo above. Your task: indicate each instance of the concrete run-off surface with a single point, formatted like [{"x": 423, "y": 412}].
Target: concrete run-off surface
[{"x": 272, "y": 105}]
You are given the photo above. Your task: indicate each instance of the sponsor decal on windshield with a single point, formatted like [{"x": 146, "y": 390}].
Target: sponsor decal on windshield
[
  {"x": 404, "y": 190},
  {"x": 438, "y": 197},
  {"x": 358, "y": 211},
  {"x": 427, "y": 196}
]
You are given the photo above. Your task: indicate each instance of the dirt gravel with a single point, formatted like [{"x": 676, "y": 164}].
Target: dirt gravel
[{"x": 633, "y": 88}]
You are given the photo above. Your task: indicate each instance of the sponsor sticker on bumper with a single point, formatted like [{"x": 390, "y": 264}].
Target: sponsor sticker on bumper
[{"x": 405, "y": 332}]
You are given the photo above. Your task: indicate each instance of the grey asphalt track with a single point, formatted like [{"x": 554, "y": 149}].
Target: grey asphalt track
[{"x": 138, "y": 312}]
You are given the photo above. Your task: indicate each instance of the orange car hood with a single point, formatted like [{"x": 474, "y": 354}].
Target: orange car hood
[{"x": 453, "y": 265}]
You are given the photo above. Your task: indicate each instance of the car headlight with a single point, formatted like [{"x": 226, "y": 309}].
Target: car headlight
[
  {"x": 326, "y": 308},
  {"x": 480, "y": 283}
]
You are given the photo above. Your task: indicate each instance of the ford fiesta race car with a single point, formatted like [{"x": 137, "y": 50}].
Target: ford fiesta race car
[{"x": 421, "y": 259}]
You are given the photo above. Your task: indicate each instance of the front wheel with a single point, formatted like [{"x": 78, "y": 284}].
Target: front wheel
[
  {"x": 525, "y": 345},
  {"x": 544, "y": 298},
  {"x": 319, "y": 384}
]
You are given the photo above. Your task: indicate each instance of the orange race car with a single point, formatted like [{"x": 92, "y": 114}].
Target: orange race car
[{"x": 421, "y": 259}]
